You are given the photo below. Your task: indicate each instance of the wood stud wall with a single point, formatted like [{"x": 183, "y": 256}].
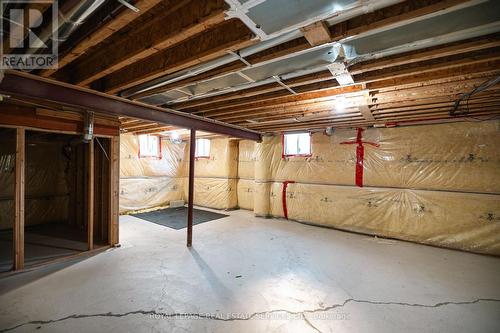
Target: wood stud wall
[{"x": 105, "y": 219}]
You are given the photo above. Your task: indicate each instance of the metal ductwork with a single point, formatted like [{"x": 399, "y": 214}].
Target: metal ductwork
[
  {"x": 71, "y": 15},
  {"x": 88, "y": 127}
]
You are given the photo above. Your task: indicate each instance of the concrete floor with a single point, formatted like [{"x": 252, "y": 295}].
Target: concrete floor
[{"x": 247, "y": 274}]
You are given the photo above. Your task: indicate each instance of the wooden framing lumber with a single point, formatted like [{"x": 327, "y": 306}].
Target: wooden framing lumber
[
  {"x": 103, "y": 32},
  {"x": 317, "y": 33},
  {"x": 114, "y": 176},
  {"x": 212, "y": 43},
  {"x": 379, "y": 19},
  {"x": 90, "y": 195},
  {"x": 19, "y": 204},
  {"x": 192, "y": 149},
  {"x": 186, "y": 19}
]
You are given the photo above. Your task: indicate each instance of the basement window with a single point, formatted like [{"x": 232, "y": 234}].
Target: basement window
[
  {"x": 149, "y": 146},
  {"x": 202, "y": 148},
  {"x": 297, "y": 144}
]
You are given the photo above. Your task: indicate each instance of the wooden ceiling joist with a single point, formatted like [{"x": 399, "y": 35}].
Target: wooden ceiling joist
[
  {"x": 379, "y": 69},
  {"x": 101, "y": 33},
  {"x": 185, "y": 19},
  {"x": 284, "y": 101},
  {"x": 385, "y": 17},
  {"x": 210, "y": 44}
]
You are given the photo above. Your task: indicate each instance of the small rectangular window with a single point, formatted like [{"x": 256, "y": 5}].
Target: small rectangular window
[
  {"x": 149, "y": 146},
  {"x": 202, "y": 148},
  {"x": 297, "y": 144}
]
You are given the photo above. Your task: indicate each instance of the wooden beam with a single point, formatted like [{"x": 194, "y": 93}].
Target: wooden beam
[
  {"x": 23, "y": 85},
  {"x": 192, "y": 150},
  {"x": 19, "y": 199},
  {"x": 317, "y": 33},
  {"x": 90, "y": 195},
  {"x": 231, "y": 35},
  {"x": 186, "y": 19},
  {"x": 103, "y": 32}
]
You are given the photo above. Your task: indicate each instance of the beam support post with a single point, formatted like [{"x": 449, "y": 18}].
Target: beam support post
[
  {"x": 192, "y": 149},
  {"x": 19, "y": 200},
  {"x": 114, "y": 177},
  {"x": 90, "y": 195}
]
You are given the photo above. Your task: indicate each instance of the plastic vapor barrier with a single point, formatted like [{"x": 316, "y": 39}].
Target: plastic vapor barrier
[
  {"x": 152, "y": 182},
  {"x": 217, "y": 193},
  {"x": 144, "y": 193},
  {"x": 246, "y": 189},
  {"x": 457, "y": 220},
  {"x": 458, "y": 157},
  {"x": 246, "y": 159},
  {"x": 46, "y": 180},
  {"x": 148, "y": 182},
  {"x": 246, "y": 174},
  {"x": 173, "y": 162},
  {"x": 433, "y": 184},
  {"x": 222, "y": 162}
]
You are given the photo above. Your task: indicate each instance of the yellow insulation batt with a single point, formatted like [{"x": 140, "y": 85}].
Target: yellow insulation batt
[
  {"x": 433, "y": 184},
  {"x": 246, "y": 174},
  {"x": 246, "y": 159},
  {"x": 458, "y": 156},
  {"x": 46, "y": 180},
  {"x": 148, "y": 182},
  {"x": 172, "y": 163},
  {"x": 151, "y": 182},
  {"x": 215, "y": 182},
  {"x": 246, "y": 188},
  {"x": 217, "y": 193},
  {"x": 149, "y": 192},
  {"x": 464, "y": 221},
  {"x": 223, "y": 160}
]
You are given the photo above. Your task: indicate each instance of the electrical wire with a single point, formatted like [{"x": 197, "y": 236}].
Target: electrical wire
[
  {"x": 483, "y": 86},
  {"x": 103, "y": 150}
]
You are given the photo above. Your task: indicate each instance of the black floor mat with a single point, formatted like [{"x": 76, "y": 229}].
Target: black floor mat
[{"x": 176, "y": 218}]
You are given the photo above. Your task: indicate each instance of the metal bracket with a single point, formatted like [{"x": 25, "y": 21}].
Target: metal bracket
[
  {"x": 278, "y": 79},
  {"x": 129, "y": 6},
  {"x": 340, "y": 73}
]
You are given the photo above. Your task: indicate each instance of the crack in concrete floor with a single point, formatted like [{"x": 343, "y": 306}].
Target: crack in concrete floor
[{"x": 250, "y": 316}]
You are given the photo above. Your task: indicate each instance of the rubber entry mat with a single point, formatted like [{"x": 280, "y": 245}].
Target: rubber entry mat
[{"x": 176, "y": 218}]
